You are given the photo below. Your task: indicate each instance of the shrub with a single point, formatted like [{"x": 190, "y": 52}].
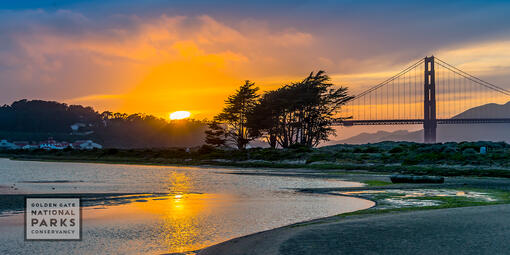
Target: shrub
[
  {"x": 205, "y": 149},
  {"x": 397, "y": 149},
  {"x": 469, "y": 151},
  {"x": 449, "y": 149},
  {"x": 111, "y": 151},
  {"x": 319, "y": 157},
  {"x": 300, "y": 148},
  {"x": 411, "y": 161}
]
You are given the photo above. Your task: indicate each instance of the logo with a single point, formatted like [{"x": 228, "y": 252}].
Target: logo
[{"x": 52, "y": 219}]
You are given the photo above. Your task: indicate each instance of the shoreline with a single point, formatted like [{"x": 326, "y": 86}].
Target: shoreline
[
  {"x": 272, "y": 241},
  {"x": 269, "y": 241},
  {"x": 285, "y": 232},
  {"x": 321, "y": 231},
  {"x": 322, "y": 167}
]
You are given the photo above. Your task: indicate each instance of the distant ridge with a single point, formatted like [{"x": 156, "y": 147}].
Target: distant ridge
[
  {"x": 447, "y": 133},
  {"x": 381, "y": 136},
  {"x": 486, "y": 111}
]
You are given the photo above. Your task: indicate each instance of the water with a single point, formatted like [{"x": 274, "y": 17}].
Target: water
[{"x": 199, "y": 207}]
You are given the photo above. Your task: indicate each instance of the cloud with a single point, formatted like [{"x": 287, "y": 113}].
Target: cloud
[
  {"x": 151, "y": 62},
  {"x": 181, "y": 57}
]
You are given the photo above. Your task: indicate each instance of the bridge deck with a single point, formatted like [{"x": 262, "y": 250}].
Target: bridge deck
[{"x": 419, "y": 121}]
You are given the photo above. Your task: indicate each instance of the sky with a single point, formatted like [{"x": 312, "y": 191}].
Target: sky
[{"x": 161, "y": 56}]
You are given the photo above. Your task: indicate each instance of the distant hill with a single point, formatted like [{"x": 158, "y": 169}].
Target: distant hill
[
  {"x": 37, "y": 120},
  {"x": 382, "y": 136},
  {"x": 449, "y": 133},
  {"x": 486, "y": 111}
]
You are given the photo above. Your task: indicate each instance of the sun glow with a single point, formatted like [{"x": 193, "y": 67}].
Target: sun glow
[{"x": 179, "y": 115}]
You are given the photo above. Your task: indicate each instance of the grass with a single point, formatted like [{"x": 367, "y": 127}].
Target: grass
[
  {"x": 328, "y": 168},
  {"x": 372, "y": 183},
  {"x": 501, "y": 197}
]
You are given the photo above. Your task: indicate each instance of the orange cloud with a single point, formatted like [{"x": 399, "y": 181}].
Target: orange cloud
[
  {"x": 163, "y": 64},
  {"x": 159, "y": 65}
]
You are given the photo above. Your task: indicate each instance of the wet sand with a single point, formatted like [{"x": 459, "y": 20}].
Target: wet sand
[{"x": 465, "y": 230}]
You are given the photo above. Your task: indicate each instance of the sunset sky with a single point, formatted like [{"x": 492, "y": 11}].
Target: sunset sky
[{"x": 158, "y": 57}]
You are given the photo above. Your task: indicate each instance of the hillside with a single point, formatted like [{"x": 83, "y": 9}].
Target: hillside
[{"x": 36, "y": 120}]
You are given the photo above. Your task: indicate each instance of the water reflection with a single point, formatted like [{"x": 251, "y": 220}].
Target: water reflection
[
  {"x": 178, "y": 221},
  {"x": 177, "y": 209},
  {"x": 181, "y": 228},
  {"x": 179, "y": 182}
]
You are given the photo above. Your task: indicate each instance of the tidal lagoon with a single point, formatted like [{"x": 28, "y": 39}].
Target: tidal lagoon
[{"x": 133, "y": 209}]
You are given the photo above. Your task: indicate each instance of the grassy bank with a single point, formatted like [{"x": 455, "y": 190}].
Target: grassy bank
[
  {"x": 448, "y": 159},
  {"x": 443, "y": 202},
  {"x": 329, "y": 168}
]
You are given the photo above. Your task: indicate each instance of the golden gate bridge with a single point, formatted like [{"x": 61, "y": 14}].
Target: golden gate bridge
[{"x": 428, "y": 92}]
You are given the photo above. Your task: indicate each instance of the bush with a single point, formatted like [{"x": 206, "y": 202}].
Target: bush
[
  {"x": 469, "y": 151},
  {"x": 319, "y": 157},
  {"x": 111, "y": 151},
  {"x": 397, "y": 149},
  {"x": 300, "y": 148},
  {"x": 450, "y": 150},
  {"x": 411, "y": 161},
  {"x": 431, "y": 148},
  {"x": 205, "y": 149},
  {"x": 371, "y": 149}
]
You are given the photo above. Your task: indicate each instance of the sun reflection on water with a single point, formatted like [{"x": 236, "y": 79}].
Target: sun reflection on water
[
  {"x": 178, "y": 218},
  {"x": 180, "y": 182}
]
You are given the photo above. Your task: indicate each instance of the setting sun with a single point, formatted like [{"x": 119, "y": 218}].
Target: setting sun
[{"x": 179, "y": 115}]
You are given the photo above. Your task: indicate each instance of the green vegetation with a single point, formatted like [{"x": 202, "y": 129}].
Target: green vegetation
[
  {"x": 448, "y": 159},
  {"x": 235, "y": 114},
  {"x": 376, "y": 183},
  {"x": 443, "y": 202}
]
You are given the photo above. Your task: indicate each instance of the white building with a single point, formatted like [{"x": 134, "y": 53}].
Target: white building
[
  {"x": 29, "y": 147},
  {"x": 51, "y": 144},
  {"x": 5, "y": 145},
  {"x": 86, "y": 145}
]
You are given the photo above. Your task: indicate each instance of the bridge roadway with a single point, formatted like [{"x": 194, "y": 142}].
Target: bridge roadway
[{"x": 419, "y": 121}]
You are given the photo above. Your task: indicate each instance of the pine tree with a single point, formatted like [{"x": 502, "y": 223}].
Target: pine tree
[
  {"x": 215, "y": 136},
  {"x": 235, "y": 114}
]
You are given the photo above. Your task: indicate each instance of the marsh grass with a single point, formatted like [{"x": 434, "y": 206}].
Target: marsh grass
[
  {"x": 499, "y": 196},
  {"x": 376, "y": 183}
]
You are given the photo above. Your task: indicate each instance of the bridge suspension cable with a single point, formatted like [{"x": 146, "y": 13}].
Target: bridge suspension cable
[
  {"x": 401, "y": 97},
  {"x": 472, "y": 78}
]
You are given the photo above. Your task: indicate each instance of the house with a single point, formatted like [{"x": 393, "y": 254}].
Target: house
[
  {"x": 86, "y": 145},
  {"x": 5, "y": 145},
  {"x": 51, "y": 144},
  {"x": 25, "y": 145},
  {"x": 30, "y": 147}
]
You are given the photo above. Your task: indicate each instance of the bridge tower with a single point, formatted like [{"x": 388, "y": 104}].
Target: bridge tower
[{"x": 429, "y": 114}]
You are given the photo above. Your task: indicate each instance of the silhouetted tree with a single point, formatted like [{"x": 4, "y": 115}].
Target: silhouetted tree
[
  {"x": 36, "y": 120},
  {"x": 235, "y": 114},
  {"x": 215, "y": 135},
  {"x": 300, "y": 113},
  {"x": 265, "y": 117}
]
